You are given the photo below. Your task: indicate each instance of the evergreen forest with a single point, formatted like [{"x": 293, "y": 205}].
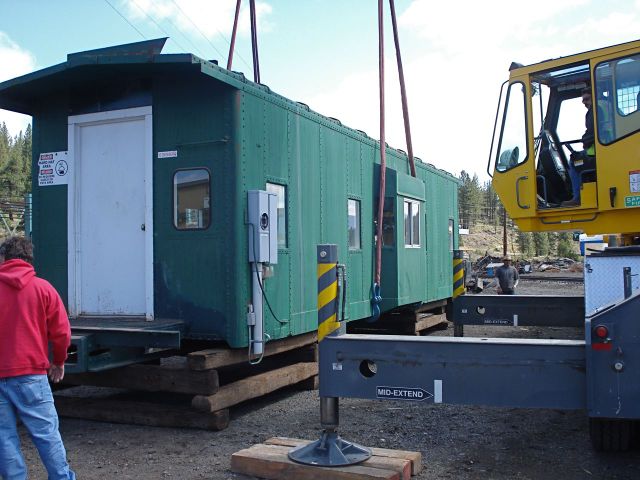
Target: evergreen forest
[{"x": 15, "y": 178}]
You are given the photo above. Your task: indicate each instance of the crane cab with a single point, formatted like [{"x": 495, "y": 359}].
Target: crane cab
[{"x": 545, "y": 172}]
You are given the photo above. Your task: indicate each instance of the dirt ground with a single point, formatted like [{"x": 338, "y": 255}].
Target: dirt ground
[{"x": 457, "y": 442}]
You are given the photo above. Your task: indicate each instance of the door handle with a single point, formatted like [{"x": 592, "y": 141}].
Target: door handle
[
  {"x": 518, "y": 193},
  {"x": 143, "y": 227}
]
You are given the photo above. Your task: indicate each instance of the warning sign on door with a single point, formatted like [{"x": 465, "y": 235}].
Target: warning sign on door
[{"x": 54, "y": 168}]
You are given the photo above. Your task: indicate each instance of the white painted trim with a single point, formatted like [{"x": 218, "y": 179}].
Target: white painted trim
[
  {"x": 437, "y": 391},
  {"x": 72, "y": 274},
  {"x": 148, "y": 213},
  {"x": 73, "y": 268}
]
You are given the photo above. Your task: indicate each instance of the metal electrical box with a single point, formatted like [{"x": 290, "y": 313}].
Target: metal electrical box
[{"x": 263, "y": 227}]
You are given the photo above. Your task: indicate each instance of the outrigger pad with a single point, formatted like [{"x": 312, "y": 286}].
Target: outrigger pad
[{"x": 330, "y": 451}]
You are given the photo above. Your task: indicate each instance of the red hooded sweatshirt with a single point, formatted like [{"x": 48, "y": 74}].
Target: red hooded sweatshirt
[{"x": 31, "y": 315}]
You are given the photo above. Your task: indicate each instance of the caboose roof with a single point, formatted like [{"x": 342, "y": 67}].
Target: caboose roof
[{"x": 141, "y": 60}]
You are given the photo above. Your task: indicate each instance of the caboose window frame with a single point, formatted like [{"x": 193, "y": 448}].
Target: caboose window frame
[
  {"x": 411, "y": 223},
  {"x": 206, "y": 199},
  {"x": 281, "y": 192},
  {"x": 353, "y": 228}
]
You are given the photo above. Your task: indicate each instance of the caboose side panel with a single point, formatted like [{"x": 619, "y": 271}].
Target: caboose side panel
[
  {"x": 194, "y": 205},
  {"x": 441, "y": 212},
  {"x": 49, "y": 211}
]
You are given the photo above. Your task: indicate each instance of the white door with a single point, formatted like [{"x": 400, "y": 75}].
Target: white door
[{"x": 110, "y": 222}]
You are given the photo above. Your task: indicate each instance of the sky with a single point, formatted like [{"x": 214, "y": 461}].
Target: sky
[{"x": 325, "y": 53}]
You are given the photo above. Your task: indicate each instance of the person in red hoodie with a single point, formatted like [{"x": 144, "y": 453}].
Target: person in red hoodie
[{"x": 32, "y": 316}]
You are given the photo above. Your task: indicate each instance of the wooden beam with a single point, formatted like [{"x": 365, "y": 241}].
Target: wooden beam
[
  {"x": 223, "y": 357},
  {"x": 415, "y": 458},
  {"x": 139, "y": 413},
  {"x": 152, "y": 378},
  {"x": 254, "y": 386},
  {"x": 312, "y": 383},
  {"x": 427, "y": 320},
  {"x": 271, "y": 462},
  {"x": 437, "y": 306},
  {"x": 231, "y": 374}
]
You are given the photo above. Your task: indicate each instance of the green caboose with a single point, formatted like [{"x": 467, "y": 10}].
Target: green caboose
[{"x": 142, "y": 164}]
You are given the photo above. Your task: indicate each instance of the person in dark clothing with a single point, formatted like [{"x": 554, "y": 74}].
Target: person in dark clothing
[
  {"x": 586, "y": 159},
  {"x": 507, "y": 276},
  {"x": 588, "y": 139}
]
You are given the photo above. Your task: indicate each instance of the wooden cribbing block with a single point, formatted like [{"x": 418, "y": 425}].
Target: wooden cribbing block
[
  {"x": 223, "y": 357},
  {"x": 271, "y": 462},
  {"x": 139, "y": 413},
  {"x": 428, "y": 320},
  {"x": 255, "y": 386},
  {"x": 312, "y": 383},
  {"x": 152, "y": 378},
  {"x": 414, "y": 458}
]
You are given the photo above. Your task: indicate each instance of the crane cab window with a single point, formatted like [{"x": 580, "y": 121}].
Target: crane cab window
[
  {"x": 560, "y": 119},
  {"x": 512, "y": 149},
  {"x": 191, "y": 199},
  {"x": 617, "y": 93}
]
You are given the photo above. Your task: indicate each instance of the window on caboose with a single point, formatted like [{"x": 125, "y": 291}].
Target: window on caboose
[
  {"x": 281, "y": 192},
  {"x": 411, "y": 224},
  {"x": 451, "y": 227},
  {"x": 353, "y": 223},
  {"x": 191, "y": 199}
]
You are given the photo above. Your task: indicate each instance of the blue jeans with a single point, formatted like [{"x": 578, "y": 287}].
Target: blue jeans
[
  {"x": 29, "y": 398},
  {"x": 576, "y": 182}
]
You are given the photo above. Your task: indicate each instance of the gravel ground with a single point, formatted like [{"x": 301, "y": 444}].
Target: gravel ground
[{"x": 457, "y": 442}]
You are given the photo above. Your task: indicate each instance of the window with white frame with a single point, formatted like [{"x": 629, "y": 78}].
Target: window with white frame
[
  {"x": 451, "y": 226},
  {"x": 353, "y": 224},
  {"x": 281, "y": 192},
  {"x": 411, "y": 223}
]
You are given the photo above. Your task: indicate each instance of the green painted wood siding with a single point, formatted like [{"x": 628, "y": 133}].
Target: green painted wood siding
[
  {"x": 247, "y": 138},
  {"x": 322, "y": 165},
  {"x": 50, "y": 203},
  {"x": 195, "y": 270}
]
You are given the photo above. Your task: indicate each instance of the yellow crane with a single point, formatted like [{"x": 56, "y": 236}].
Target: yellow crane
[{"x": 545, "y": 172}]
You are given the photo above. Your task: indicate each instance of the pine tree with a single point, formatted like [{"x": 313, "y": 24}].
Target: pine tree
[
  {"x": 565, "y": 246},
  {"x": 4, "y": 146},
  {"x": 15, "y": 172},
  {"x": 491, "y": 203},
  {"x": 469, "y": 199},
  {"x": 12, "y": 172},
  {"x": 541, "y": 243},
  {"x": 552, "y": 237},
  {"x": 526, "y": 243},
  {"x": 26, "y": 160}
]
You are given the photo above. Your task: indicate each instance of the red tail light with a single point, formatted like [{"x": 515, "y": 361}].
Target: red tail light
[{"x": 601, "y": 331}]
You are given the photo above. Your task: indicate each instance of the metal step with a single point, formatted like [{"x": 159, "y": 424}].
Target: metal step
[{"x": 102, "y": 343}]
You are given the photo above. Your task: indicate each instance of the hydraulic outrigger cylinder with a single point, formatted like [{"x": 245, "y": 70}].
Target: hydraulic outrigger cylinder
[{"x": 330, "y": 450}]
